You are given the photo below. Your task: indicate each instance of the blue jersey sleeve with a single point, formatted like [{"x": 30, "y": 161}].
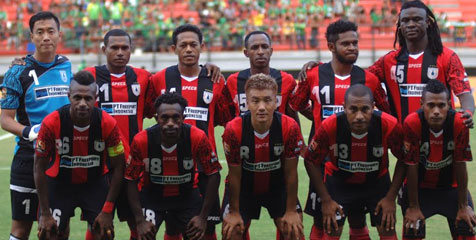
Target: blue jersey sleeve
[{"x": 11, "y": 88}]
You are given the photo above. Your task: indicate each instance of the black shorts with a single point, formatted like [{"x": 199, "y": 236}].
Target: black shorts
[
  {"x": 355, "y": 199},
  {"x": 24, "y": 201},
  {"x": 64, "y": 198},
  {"x": 215, "y": 212},
  {"x": 177, "y": 212},
  {"x": 436, "y": 201},
  {"x": 250, "y": 206}
]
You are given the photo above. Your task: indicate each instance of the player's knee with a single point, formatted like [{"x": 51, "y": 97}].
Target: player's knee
[
  {"x": 21, "y": 229},
  {"x": 384, "y": 233},
  {"x": 236, "y": 234}
]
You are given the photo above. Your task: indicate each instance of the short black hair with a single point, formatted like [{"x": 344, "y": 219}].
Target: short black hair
[
  {"x": 116, "y": 33},
  {"x": 83, "y": 78},
  {"x": 187, "y": 28},
  {"x": 435, "y": 87},
  {"x": 358, "y": 90},
  {"x": 247, "y": 37},
  {"x": 43, "y": 15},
  {"x": 338, "y": 27},
  {"x": 171, "y": 98}
]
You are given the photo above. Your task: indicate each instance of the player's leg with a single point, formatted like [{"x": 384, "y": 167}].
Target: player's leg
[
  {"x": 244, "y": 235},
  {"x": 373, "y": 196},
  {"x": 172, "y": 232},
  {"x": 180, "y": 216},
  {"x": 124, "y": 212},
  {"x": 358, "y": 227},
  {"x": 62, "y": 199},
  {"x": 459, "y": 230},
  {"x": 279, "y": 235}
]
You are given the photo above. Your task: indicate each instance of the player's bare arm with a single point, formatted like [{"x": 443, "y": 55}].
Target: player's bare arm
[
  {"x": 413, "y": 213},
  {"x": 47, "y": 228},
  {"x": 233, "y": 225},
  {"x": 197, "y": 225},
  {"x": 387, "y": 204},
  {"x": 145, "y": 229},
  {"x": 467, "y": 104},
  {"x": 291, "y": 223},
  {"x": 465, "y": 212},
  {"x": 8, "y": 122},
  {"x": 329, "y": 206},
  {"x": 103, "y": 223}
]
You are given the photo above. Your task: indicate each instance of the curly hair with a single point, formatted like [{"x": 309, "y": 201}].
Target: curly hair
[
  {"x": 187, "y": 28},
  {"x": 338, "y": 27},
  {"x": 436, "y": 87},
  {"x": 171, "y": 98}
]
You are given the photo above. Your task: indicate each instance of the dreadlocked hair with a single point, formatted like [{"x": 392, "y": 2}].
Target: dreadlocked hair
[{"x": 433, "y": 32}]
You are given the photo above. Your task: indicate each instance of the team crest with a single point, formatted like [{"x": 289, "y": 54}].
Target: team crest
[
  {"x": 99, "y": 145},
  {"x": 172, "y": 90},
  {"x": 135, "y": 89},
  {"x": 244, "y": 152},
  {"x": 432, "y": 72},
  {"x": 187, "y": 163},
  {"x": 64, "y": 76},
  {"x": 378, "y": 151},
  {"x": 207, "y": 96},
  {"x": 451, "y": 145},
  {"x": 278, "y": 150}
]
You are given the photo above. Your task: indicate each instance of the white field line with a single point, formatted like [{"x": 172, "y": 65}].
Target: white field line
[{"x": 6, "y": 136}]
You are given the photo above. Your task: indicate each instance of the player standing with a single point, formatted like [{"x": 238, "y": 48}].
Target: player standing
[
  {"x": 207, "y": 105},
  {"x": 165, "y": 159},
  {"x": 437, "y": 149},
  {"x": 325, "y": 85},
  {"x": 122, "y": 91},
  {"x": 29, "y": 93},
  {"x": 262, "y": 149},
  {"x": 356, "y": 178},
  {"x": 77, "y": 146}
]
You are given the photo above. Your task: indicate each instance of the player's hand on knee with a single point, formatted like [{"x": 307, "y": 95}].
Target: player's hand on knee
[
  {"x": 413, "y": 220},
  {"x": 467, "y": 215},
  {"x": 196, "y": 227},
  {"x": 103, "y": 226},
  {"x": 146, "y": 230},
  {"x": 330, "y": 211},
  {"x": 387, "y": 208},
  {"x": 232, "y": 225},
  {"x": 291, "y": 226},
  {"x": 47, "y": 228},
  {"x": 303, "y": 73}
]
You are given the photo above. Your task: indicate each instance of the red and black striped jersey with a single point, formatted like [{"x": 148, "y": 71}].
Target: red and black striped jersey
[
  {"x": 173, "y": 171},
  {"x": 326, "y": 90},
  {"x": 207, "y": 105},
  {"x": 356, "y": 158},
  {"x": 123, "y": 97},
  {"x": 78, "y": 155},
  {"x": 261, "y": 156},
  {"x": 435, "y": 152},
  {"x": 236, "y": 87},
  {"x": 406, "y": 75}
]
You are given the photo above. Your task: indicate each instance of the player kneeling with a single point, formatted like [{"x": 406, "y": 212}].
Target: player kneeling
[
  {"x": 356, "y": 178},
  {"x": 164, "y": 160},
  {"x": 77, "y": 146},
  {"x": 262, "y": 149},
  {"x": 437, "y": 149}
]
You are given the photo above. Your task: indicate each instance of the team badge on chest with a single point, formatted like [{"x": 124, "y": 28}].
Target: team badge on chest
[
  {"x": 207, "y": 96},
  {"x": 378, "y": 151},
  {"x": 187, "y": 163},
  {"x": 432, "y": 72},
  {"x": 135, "y": 89},
  {"x": 278, "y": 150},
  {"x": 99, "y": 145}
]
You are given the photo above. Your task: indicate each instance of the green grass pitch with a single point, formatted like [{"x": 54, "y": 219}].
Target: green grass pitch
[{"x": 262, "y": 229}]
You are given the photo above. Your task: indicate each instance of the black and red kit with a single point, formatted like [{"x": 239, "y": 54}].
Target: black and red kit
[
  {"x": 261, "y": 156},
  {"x": 435, "y": 153},
  {"x": 123, "y": 97},
  {"x": 326, "y": 90},
  {"x": 406, "y": 75},
  {"x": 207, "y": 106},
  {"x": 171, "y": 171},
  {"x": 236, "y": 88},
  {"x": 356, "y": 159},
  {"x": 78, "y": 155}
]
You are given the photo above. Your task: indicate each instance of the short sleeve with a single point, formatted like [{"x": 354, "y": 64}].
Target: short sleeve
[
  {"x": 395, "y": 140},
  {"x": 224, "y": 107},
  {"x": 294, "y": 140},
  {"x": 456, "y": 76},
  {"x": 205, "y": 156},
  {"x": 411, "y": 144},
  {"x": 318, "y": 149},
  {"x": 135, "y": 167},
  {"x": 231, "y": 146},
  {"x": 378, "y": 68},
  {"x": 300, "y": 96},
  {"x": 11, "y": 88},
  {"x": 45, "y": 142},
  {"x": 462, "y": 151}
]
